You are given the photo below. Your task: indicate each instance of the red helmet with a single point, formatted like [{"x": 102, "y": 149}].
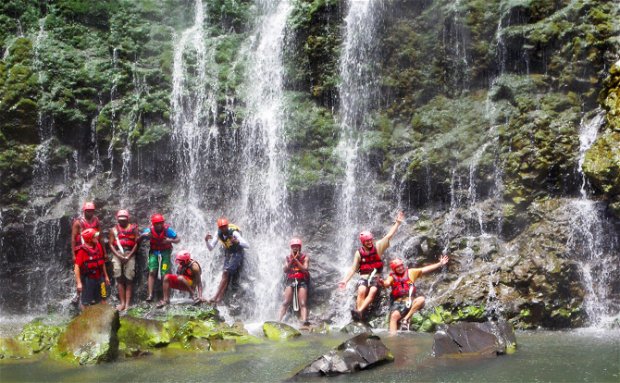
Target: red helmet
[
  {"x": 366, "y": 236},
  {"x": 157, "y": 218},
  {"x": 122, "y": 213},
  {"x": 89, "y": 234},
  {"x": 183, "y": 256},
  {"x": 295, "y": 242},
  {"x": 88, "y": 206},
  {"x": 395, "y": 263},
  {"x": 222, "y": 222}
]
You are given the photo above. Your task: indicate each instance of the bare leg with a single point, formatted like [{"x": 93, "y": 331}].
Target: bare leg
[
  {"x": 221, "y": 288},
  {"x": 151, "y": 283},
  {"x": 121, "y": 294},
  {"x": 288, "y": 297},
  {"x": 394, "y": 318},
  {"x": 416, "y": 305},
  {"x": 302, "y": 296},
  {"x": 166, "y": 288},
  {"x": 369, "y": 298},
  {"x": 361, "y": 296},
  {"x": 128, "y": 292}
]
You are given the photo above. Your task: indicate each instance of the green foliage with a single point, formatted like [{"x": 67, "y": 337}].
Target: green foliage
[{"x": 39, "y": 337}]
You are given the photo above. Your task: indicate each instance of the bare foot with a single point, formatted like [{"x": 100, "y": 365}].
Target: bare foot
[
  {"x": 120, "y": 307},
  {"x": 162, "y": 303}
]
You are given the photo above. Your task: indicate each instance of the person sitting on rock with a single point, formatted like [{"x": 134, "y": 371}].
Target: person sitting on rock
[
  {"x": 296, "y": 269},
  {"x": 91, "y": 276},
  {"x": 368, "y": 262},
  {"x": 123, "y": 240},
  {"x": 404, "y": 302},
  {"x": 230, "y": 237},
  {"x": 188, "y": 278}
]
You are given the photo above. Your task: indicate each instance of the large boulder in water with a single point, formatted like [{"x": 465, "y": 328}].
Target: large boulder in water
[
  {"x": 138, "y": 333},
  {"x": 356, "y": 327},
  {"x": 474, "y": 339},
  {"x": 91, "y": 337},
  {"x": 358, "y": 353},
  {"x": 279, "y": 331}
]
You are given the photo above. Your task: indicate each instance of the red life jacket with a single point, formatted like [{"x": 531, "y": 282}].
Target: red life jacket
[
  {"x": 84, "y": 224},
  {"x": 187, "y": 272},
  {"x": 295, "y": 272},
  {"x": 370, "y": 260},
  {"x": 401, "y": 285},
  {"x": 127, "y": 237},
  {"x": 157, "y": 240},
  {"x": 93, "y": 265}
]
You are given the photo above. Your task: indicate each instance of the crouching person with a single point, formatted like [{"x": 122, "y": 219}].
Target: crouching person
[
  {"x": 405, "y": 303},
  {"x": 91, "y": 276},
  {"x": 188, "y": 278}
]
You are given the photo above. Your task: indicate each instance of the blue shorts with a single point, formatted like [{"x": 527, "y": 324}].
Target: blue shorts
[{"x": 233, "y": 262}]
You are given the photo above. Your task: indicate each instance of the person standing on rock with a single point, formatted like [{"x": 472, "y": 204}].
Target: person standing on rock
[
  {"x": 88, "y": 220},
  {"x": 368, "y": 262},
  {"x": 123, "y": 240},
  {"x": 91, "y": 276},
  {"x": 405, "y": 303},
  {"x": 188, "y": 278},
  {"x": 229, "y": 235},
  {"x": 297, "y": 277},
  {"x": 161, "y": 237}
]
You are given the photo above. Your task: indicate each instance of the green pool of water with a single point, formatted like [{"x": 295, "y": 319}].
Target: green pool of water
[{"x": 577, "y": 356}]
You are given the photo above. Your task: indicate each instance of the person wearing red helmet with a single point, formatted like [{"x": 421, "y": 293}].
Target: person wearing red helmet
[
  {"x": 404, "y": 301},
  {"x": 123, "y": 240},
  {"x": 187, "y": 278},
  {"x": 368, "y": 262},
  {"x": 91, "y": 276},
  {"x": 229, "y": 235},
  {"x": 296, "y": 270},
  {"x": 88, "y": 220},
  {"x": 161, "y": 238}
]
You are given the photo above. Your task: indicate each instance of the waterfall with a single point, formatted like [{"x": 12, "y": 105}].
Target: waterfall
[
  {"x": 194, "y": 108},
  {"x": 264, "y": 160},
  {"x": 355, "y": 199},
  {"x": 590, "y": 240}
]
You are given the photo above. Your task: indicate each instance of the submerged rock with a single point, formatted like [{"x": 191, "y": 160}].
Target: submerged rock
[
  {"x": 91, "y": 337},
  {"x": 279, "y": 331},
  {"x": 356, "y": 328},
  {"x": 358, "y": 353},
  {"x": 487, "y": 339}
]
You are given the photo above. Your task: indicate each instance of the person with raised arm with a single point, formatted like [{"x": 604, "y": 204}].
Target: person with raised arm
[{"x": 369, "y": 263}]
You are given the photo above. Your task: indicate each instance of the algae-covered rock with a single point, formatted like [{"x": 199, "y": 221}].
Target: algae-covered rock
[
  {"x": 38, "y": 336},
  {"x": 143, "y": 333},
  {"x": 279, "y": 331},
  {"x": 91, "y": 337},
  {"x": 602, "y": 163},
  {"x": 13, "y": 349}
]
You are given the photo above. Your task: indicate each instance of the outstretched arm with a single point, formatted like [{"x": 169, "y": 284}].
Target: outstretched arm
[
  {"x": 356, "y": 265},
  {"x": 399, "y": 219},
  {"x": 443, "y": 261}
]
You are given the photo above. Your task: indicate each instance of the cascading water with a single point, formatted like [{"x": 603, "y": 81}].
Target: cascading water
[
  {"x": 194, "y": 108},
  {"x": 590, "y": 241},
  {"x": 264, "y": 202},
  {"x": 356, "y": 201}
]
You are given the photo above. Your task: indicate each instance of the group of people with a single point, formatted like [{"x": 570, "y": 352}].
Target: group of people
[{"x": 89, "y": 256}]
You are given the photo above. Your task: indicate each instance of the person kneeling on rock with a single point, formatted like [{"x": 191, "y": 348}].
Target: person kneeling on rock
[
  {"x": 405, "y": 303},
  {"x": 187, "y": 278}
]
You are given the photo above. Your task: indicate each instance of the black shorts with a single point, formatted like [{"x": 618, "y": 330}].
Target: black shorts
[
  {"x": 300, "y": 283},
  {"x": 365, "y": 282},
  {"x": 233, "y": 262},
  {"x": 93, "y": 290},
  {"x": 401, "y": 307}
]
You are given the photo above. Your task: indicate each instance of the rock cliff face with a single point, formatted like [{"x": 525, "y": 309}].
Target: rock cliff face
[{"x": 478, "y": 127}]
